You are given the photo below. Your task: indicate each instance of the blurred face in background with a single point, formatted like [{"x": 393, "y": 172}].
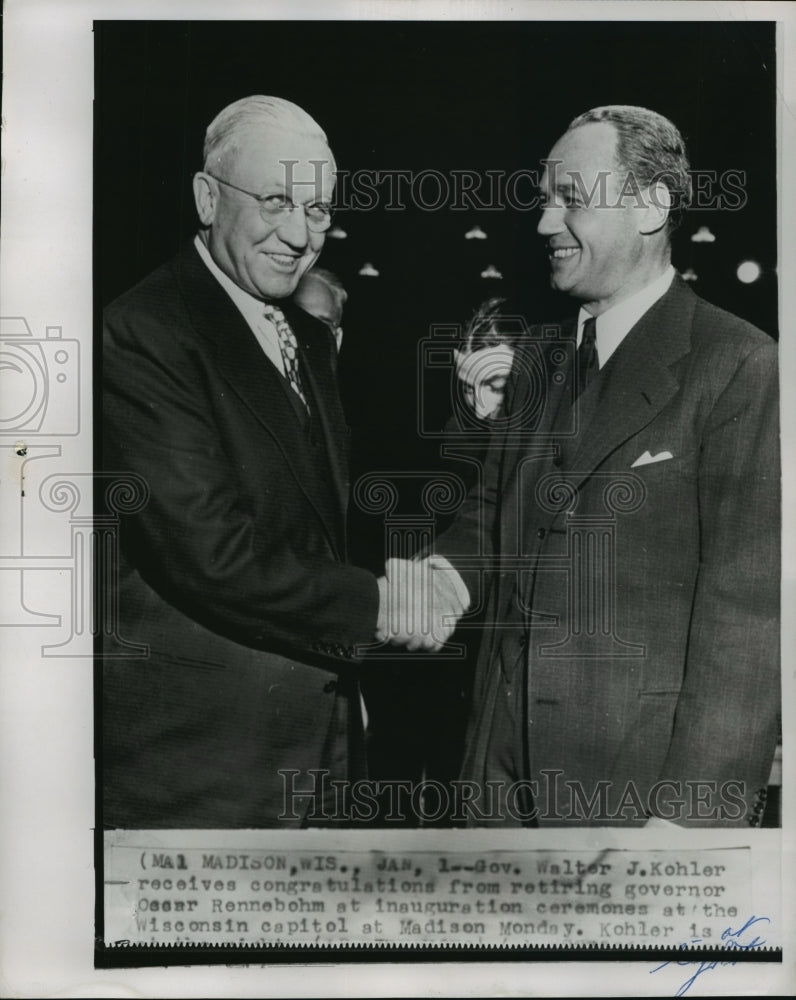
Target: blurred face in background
[
  {"x": 320, "y": 299},
  {"x": 483, "y": 375}
]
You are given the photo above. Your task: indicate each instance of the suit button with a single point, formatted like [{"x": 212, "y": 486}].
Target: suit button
[{"x": 541, "y": 532}]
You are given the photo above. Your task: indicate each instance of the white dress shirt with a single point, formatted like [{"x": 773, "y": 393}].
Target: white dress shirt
[
  {"x": 250, "y": 308},
  {"x": 612, "y": 327},
  {"x": 615, "y": 323}
]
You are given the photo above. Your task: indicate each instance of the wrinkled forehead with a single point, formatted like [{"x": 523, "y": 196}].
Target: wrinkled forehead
[{"x": 300, "y": 165}]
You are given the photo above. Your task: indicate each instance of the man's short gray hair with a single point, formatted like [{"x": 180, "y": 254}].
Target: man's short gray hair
[
  {"x": 650, "y": 147},
  {"x": 239, "y": 118}
]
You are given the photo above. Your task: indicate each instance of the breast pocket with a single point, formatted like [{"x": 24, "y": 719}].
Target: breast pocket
[
  {"x": 663, "y": 462},
  {"x": 668, "y": 485}
]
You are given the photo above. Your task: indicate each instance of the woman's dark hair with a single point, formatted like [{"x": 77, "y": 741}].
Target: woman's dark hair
[{"x": 488, "y": 327}]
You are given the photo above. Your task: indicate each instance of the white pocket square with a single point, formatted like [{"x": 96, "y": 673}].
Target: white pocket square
[{"x": 647, "y": 459}]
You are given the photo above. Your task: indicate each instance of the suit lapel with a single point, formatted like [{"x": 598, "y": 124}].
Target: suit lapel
[
  {"x": 537, "y": 395},
  {"x": 318, "y": 369},
  {"x": 635, "y": 385},
  {"x": 543, "y": 382},
  {"x": 239, "y": 359}
]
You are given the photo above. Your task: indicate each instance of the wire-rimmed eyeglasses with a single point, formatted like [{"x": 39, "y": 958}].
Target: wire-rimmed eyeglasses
[{"x": 274, "y": 207}]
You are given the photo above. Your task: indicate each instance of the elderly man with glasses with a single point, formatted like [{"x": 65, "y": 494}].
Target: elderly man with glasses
[{"x": 220, "y": 393}]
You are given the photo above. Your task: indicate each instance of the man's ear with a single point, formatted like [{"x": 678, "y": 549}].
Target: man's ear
[
  {"x": 656, "y": 213},
  {"x": 205, "y": 193}
]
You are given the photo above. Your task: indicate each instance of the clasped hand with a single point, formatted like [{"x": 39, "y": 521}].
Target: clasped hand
[{"x": 420, "y": 603}]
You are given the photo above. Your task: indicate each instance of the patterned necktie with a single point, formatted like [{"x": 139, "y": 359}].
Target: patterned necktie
[
  {"x": 289, "y": 348},
  {"x": 587, "y": 361}
]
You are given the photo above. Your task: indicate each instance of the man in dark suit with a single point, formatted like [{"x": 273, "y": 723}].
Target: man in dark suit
[
  {"x": 221, "y": 395},
  {"x": 631, "y": 505}
]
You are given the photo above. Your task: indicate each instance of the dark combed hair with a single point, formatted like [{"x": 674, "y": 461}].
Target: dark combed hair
[
  {"x": 486, "y": 327},
  {"x": 651, "y": 148}
]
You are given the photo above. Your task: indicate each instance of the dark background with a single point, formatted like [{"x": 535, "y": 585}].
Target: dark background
[{"x": 419, "y": 96}]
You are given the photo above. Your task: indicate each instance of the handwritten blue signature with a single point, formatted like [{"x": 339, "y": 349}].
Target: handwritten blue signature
[{"x": 731, "y": 940}]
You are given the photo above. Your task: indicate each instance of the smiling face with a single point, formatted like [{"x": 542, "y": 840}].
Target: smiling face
[
  {"x": 596, "y": 245},
  {"x": 265, "y": 257}
]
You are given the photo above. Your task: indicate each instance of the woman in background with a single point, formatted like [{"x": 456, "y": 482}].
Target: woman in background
[{"x": 484, "y": 360}]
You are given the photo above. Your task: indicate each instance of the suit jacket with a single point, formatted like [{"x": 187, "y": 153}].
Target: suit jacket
[
  {"x": 234, "y": 573},
  {"x": 644, "y": 598}
]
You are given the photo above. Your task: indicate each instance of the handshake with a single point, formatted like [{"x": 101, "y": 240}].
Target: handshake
[{"x": 420, "y": 603}]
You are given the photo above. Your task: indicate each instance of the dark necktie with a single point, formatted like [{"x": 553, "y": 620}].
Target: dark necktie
[
  {"x": 289, "y": 348},
  {"x": 586, "y": 361}
]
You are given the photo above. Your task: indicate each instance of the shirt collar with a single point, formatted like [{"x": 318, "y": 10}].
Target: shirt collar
[
  {"x": 615, "y": 323},
  {"x": 249, "y": 306}
]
